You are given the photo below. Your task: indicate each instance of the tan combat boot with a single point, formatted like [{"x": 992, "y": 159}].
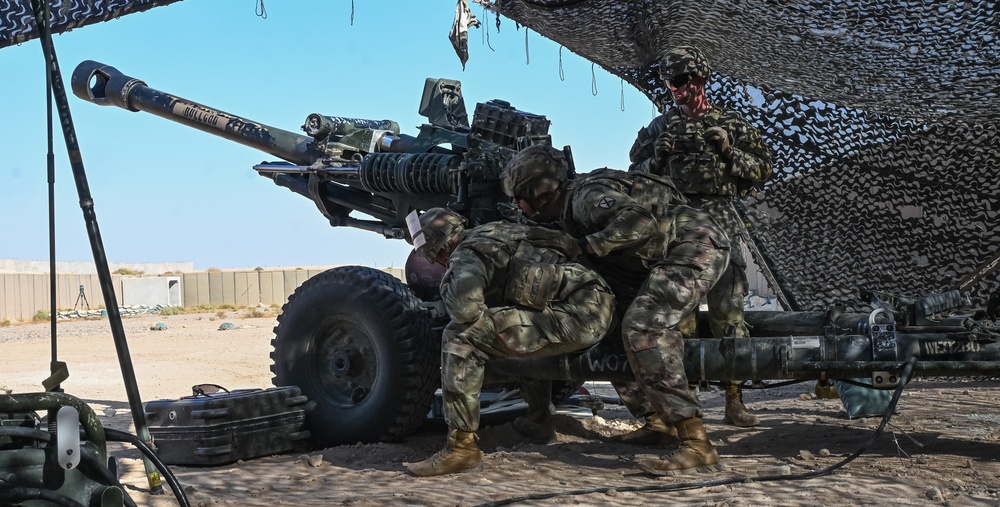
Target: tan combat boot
[
  {"x": 736, "y": 411},
  {"x": 537, "y": 426},
  {"x": 695, "y": 452},
  {"x": 460, "y": 454},
  {"x": 654, "y": 432},
  {"x": 537, "y": 429}
]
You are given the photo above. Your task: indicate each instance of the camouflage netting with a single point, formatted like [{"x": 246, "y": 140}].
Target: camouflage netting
[
  {"x": 17, "y": 21},
  {"x": 882, "y": 117}
]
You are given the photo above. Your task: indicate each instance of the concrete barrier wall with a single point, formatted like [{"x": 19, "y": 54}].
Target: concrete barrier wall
[{"x": 22, "y": 295}]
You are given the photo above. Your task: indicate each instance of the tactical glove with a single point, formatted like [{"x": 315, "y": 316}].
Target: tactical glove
[
  {"x": 555, "y": 239},
  {"x": 662, "y": 146},
  {"x": 719, "y": 138}
]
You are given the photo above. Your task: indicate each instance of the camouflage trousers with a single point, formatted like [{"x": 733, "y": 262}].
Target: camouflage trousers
[
  {"x": 651, "y": 327},
  {"x": 725, "y": 317},
  {"x": 725, "y": 300},
  {"x": 509, "y": 332}
]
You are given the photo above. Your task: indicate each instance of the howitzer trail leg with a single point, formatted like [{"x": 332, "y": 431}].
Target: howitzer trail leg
[
  {"x": 695, "y": 453},
  {"x": 460, "y": 454}
]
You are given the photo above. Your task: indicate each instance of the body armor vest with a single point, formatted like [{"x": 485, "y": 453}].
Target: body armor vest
[
  {"x": 693, "y": 165},
  {"x": 533, "y": 276}
]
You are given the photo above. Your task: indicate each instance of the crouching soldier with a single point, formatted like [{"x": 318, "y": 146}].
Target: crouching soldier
[
  {"x": 661, "y": 257},
  {"x": 507, "y": 298}
]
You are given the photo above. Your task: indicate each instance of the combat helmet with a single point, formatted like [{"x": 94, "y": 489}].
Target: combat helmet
[
  {"x": 435, "y": 230},
  {"x": 684, "y": 60},
  {"x": 534, "y": 171}
]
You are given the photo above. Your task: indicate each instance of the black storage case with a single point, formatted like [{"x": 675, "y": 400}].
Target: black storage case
[{"x": 219, "y": 429}]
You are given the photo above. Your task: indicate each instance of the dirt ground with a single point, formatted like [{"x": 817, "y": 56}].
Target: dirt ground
[{"x": 942, "y": 448}]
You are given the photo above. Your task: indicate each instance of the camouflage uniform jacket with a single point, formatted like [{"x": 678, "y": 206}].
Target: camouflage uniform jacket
[
  {"x": 495, "y": 265},
  {"x": 632, "y": 216},
  {"x": 698, "y": 171}
]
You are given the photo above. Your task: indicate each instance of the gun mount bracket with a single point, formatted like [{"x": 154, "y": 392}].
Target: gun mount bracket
[
  {"x": 883, "y": 335},
  {"x": 884, "y": 379}
]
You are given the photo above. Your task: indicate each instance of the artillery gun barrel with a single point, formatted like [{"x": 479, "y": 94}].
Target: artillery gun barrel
[{"x": 106, "y": 86}]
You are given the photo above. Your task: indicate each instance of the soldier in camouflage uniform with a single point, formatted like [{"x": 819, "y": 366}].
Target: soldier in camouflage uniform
[
  {"x": 507, "y": 298},
  {"x": 663, "y": 256},
  {"x": 713, "y": 156}
]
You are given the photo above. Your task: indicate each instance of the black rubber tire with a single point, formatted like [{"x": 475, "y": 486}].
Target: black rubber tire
[{"x": 358, "y": 344}]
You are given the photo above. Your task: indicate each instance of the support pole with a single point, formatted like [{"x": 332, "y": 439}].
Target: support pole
[{"x": 94, "y": 233}]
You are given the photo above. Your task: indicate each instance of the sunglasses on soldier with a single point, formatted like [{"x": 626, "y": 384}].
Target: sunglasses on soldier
[{"x": 679, "y": 80}]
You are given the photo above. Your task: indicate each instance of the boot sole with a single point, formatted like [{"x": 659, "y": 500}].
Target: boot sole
[
  {"x": 475, "y": 468},
  {"x": 538, "y": 440},
  {"x": 704, "y": 469},
  {"x": 731, "y": 422},
  {"x": 534, "y": 438},
  {"x": 664, "y": 442}
]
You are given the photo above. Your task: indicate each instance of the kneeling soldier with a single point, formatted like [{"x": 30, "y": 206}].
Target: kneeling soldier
[{"x": 506, "y": 298}]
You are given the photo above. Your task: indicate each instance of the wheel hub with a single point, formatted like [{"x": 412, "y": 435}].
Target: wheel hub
[{"x": 340, "y": 363}]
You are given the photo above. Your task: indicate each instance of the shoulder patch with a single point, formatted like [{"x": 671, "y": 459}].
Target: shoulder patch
[{"x": 605, "y": 202}]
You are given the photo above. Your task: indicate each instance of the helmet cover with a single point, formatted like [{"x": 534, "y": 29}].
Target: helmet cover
[
  {"x": 684, "y": 60},
  {"x": 438, "y": 229},
  {"x": 534, "y": 171}
]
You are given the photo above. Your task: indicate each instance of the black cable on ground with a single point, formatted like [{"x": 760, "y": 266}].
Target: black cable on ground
[
  {"x": 904, "y": 379},
  {"x": 121, "y": 436}
]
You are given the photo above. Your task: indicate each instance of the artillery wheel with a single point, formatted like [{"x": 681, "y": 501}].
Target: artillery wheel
[{"x": 358, "y": 344}]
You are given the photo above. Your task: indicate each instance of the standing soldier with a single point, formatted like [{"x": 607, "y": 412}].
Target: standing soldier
[
  {"x": 507, "y": 298},
  {"x": 665, "y": 258},
  {"x": 713, "y": 156}
]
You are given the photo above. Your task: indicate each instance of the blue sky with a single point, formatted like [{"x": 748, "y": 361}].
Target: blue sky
[{"x": 166, "y": 193}]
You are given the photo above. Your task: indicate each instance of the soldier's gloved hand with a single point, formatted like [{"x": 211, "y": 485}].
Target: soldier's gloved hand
[
  {"x": 719, "y": 139},
  {"x": 555, "y": 239},
  {"x": 662, "y": 146}
]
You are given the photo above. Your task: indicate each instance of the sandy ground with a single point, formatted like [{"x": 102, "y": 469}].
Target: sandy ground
[{"x": 942, "y": 448}]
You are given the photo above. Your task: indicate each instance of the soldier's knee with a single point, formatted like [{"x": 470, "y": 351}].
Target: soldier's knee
[{"x": 473, "y": 333}]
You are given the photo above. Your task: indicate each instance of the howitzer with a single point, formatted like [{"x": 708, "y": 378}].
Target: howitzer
[
  {"x": 364, "y": 347},
  {"x": 349, "y": 164}
]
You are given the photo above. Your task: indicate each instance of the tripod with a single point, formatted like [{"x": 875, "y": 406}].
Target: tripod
[{"x": 81, "y": 297}]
